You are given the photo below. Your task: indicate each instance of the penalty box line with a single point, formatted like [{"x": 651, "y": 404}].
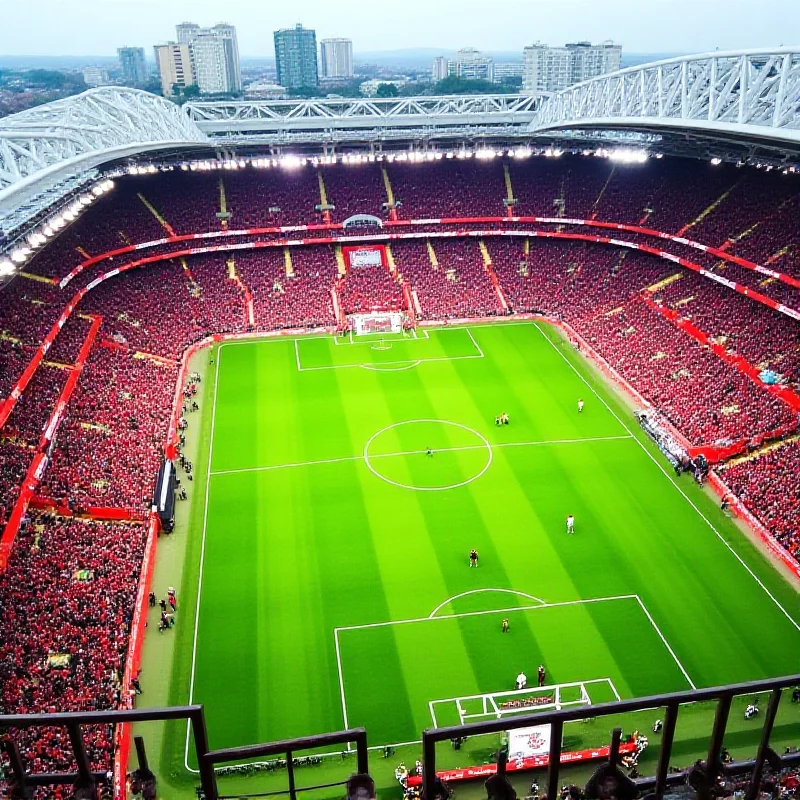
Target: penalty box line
[
  {"x": 338, "y": 630},
  {"x": 478, "y": 354},
  {"x": 343, "y": 459}
]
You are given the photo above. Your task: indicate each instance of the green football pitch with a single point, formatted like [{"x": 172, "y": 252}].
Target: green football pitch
[{"x": 348, "y": 480}]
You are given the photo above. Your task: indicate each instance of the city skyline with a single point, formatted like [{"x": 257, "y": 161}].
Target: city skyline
[{"x": 99, "y": 27}]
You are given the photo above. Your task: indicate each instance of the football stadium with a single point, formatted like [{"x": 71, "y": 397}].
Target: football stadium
[{"x": 456, "y": 460}]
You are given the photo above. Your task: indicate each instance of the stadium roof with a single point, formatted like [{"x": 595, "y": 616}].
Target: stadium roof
[{"x": 742, "y": 105}]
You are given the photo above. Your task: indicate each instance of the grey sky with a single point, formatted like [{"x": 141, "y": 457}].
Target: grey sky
[{"x": 98, "y": 27}]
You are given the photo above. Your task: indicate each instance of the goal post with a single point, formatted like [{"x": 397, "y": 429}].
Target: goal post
[{"x": 499, "y": 705}]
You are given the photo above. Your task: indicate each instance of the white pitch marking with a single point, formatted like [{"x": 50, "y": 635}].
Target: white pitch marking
[
  {"x": 669, "y": 478},
  {"x": 378, "y": 368},
  {"x": 433, "y": 713},
  {"x": 484, "y": 613},
  {"x": 666, "y": 643},
  {"x": 477, "y": 346},
  {"x": 383, "y": 363},
  {"x": 411, "y": 362},
  {"x": 202, "y": 560},
  {"x": 485, "y": 445},
  {"x": 481, "y": 591},
  {"x": 341, "y": 682},
  {"x": 297, "y": 356},
  {"x": 635, "y": 597},
  {"x": 422, "y": 452}
]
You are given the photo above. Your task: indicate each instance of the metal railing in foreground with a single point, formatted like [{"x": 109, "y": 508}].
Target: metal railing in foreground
[
  {"x": 85, "y": 781},
  {"x": 710, "y": 770}
]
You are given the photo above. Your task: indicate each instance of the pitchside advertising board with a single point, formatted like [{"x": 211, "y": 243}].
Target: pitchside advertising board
[
  {"x": 528, "y": 742},
  {"x": 361, "y": 257}
]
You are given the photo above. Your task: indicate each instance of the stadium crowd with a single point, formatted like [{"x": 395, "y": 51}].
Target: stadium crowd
[
  {"x": 66, "y": 600},
  {"x": 111, "y": 439},
  {"x": 768, "y": 486}
]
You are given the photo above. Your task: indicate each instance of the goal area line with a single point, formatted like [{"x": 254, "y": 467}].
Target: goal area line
[{"x": 385, "y": 342}]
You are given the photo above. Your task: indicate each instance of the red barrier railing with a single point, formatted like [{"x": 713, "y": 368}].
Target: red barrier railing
[
  {"x": 134, "y": 657},
  {"x": 559, "y": 235},
  {"x": 26, "y": 377},
  {"x": 37, "y": 467},
  {"x": 503, "y": 221},
  {"x": 742, "y": 364},
  {"x": 722, "y": 490}
]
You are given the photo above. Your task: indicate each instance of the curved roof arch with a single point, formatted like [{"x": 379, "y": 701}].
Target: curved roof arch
[
  {"x": 748, "y": 94},
  {"x": 52, "y": 142}
]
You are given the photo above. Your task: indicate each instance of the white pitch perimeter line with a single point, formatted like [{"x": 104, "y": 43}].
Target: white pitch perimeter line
[
  {"x": 669, "y": 478},
  {"x": 664, "y": 640},
  {"x": 422, "y": 452},
  {"x": 202, "y": 559},
  {"x": 341, "y": 682}
]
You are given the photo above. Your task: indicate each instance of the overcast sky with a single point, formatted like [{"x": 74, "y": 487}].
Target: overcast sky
[{"x": 98, "y": 27}]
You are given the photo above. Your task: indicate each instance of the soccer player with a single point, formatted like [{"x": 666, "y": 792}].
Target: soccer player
[
  {"x": 580, "y": 406},
  {"x": 541, "y": 674},
  {"x": 522, "y": 681},
  {"x": 570, "y": 524},
  {"x": 504, "y": 626},
  {"x": 473, "y": 557}
]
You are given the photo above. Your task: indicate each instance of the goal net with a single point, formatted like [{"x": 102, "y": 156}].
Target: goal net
[
  {"x": 387, "y": 322},
  {"x": 498, "y": 705}
]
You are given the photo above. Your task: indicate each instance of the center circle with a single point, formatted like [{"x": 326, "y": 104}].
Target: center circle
[{"x": 399, "y": 454}]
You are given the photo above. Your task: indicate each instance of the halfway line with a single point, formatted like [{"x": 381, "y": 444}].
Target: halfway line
[{"x": 421, "y": 452}]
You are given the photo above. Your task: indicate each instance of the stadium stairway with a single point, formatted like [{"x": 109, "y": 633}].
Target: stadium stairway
[
  {"x": 510, "y": 200},
  {"x": 223, "y": 206},
  {"x": 706, "y": 211},
  {"x": 432, "y": 255},
  {"x": 149, "y": 206},
  {"x": 324, "y": 207},
  {"x": 487, "y": 263},
  {"x": 249, "y": 313},
  {"x": 387, "y": 184},
  {"x": 599, "y": 197}
]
